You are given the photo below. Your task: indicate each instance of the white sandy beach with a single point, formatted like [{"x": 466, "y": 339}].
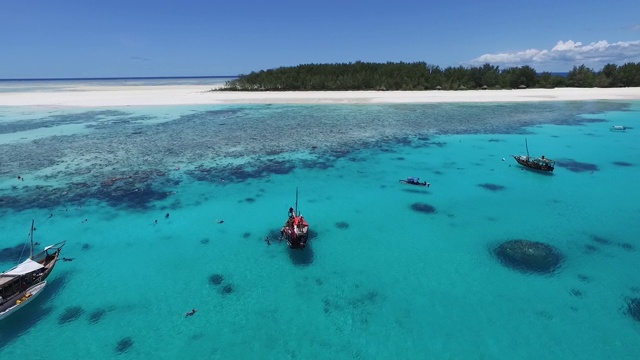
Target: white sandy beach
[{"x": 110, "y": 96}]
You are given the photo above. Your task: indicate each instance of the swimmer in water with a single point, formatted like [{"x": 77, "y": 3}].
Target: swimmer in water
[{"x": 190, "y": 313}]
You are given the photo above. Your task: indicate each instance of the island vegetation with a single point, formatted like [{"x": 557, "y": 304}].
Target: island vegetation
[{"x": 421, "y": 76}]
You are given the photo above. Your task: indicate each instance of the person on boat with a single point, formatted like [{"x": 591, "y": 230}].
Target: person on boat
[{"x": 190, "y": 313}]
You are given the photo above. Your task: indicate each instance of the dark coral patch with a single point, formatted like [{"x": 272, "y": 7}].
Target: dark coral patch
[
  {"x": 216, "y": 279},
  {"x": 590, "y": 249},
  {"x": 204, "y": 241},
  {"x": 86, "y": 247},
  {"x": 627, "y": 246},
  {"x": 250, "y": 200},
  {"x": 11, "y": 254},
  {"x": 227, "y": 289},
  {"x": 600, "y": 240},
  {"x": 342, "y": 225},
  {"x": 576, "y": 293},
  {"x": 423, "y": 208},
  {"x": 70, "y": 314},
  {"x": 246, "y": 235},
  {"x": 492, "y": 187},
  {"x": 576, "y": 166},
  {"x": 633, "y": 308},
  {"x": 96, "y": 315},
  {"x": 124, "y": 345},
  {"x": 584, "y": 278},
  {"x": 529, "y": 256},
  {"x": 622, "y": 163}
]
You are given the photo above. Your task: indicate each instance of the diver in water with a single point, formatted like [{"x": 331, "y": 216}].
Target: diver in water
[{"x": 190, "y": 313}]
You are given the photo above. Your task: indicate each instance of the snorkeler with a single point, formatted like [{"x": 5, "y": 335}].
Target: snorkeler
[{"x": 190, "y": 313}]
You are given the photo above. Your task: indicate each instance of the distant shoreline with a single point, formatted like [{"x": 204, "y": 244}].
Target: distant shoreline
[{"x": 117, "y": 96}]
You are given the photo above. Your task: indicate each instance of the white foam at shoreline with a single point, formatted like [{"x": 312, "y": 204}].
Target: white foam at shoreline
[{"x": 105, "y": 96}]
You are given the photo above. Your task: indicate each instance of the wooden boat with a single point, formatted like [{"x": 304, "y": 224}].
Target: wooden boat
[
  {"x": 415, "y": 181},
  {"x": 295, "y": 229},
  {"x": 24, "y": 278},
  {"x": 541, "y": 163}
]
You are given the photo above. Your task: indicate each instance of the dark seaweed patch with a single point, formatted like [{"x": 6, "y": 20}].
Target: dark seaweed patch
[
  {"x": 246, "y": 235},
  {"x": 590, "y": 249},
  {"x": 622, "y": 163},
  {"x": 600, "y": 240},
  {"x": 86, "y": 246},
  {"x": 584, "y": 278},
  {"x": 96, "y": 315},
  {"x": 492, "y": 187},
  {"x": 70, "y": 314},
  {"x": 576, "y": 293},
  {"x": 529, "y": 256},
  {"x": 204, "y": 241},
  {"x": 633, "y": 308},
  {"x": 216, "y": 279},
  {"x": 12, "y": 254},
  {"x": 627, "y": 246},
  {"x": 124, "y": 345},
  {"x": 576, "y": 166},
  {"x": 227, "y": 289},
  {"x": 342, "y": 225},
  {"x": 423, "y": 208},
  {"x": 250, "y": 200}
]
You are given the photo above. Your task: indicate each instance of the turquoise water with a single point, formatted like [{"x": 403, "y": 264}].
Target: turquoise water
[{"x": 378, "y": 281}]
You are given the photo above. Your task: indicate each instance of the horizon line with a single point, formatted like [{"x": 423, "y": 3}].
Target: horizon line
[{"x": 120, "y": 78}]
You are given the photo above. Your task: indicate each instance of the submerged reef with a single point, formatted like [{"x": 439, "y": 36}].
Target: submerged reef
[
  {"x": 133, "y": 159},
  {"x": 633, "y": 308},
  {"x": 216, "y": 279},
  {"x": 124, "y": 345},
  {"x": 492, "y": 187},
  {"x": 529, "y": 256},
  {"x": 423, "y": 208},
  {"x": 70, "y": 314},
  {"x": 576, "y": 166}
]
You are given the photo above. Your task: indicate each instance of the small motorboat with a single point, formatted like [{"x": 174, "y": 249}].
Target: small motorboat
[
  {"x": 415, "y": 181},
  {"x": 618, "y": 128}
]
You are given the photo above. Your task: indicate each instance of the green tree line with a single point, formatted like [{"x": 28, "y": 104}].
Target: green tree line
[{"x": 421, "y": 76}]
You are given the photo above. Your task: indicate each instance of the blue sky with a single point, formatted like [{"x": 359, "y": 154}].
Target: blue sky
[{"x": 72, "y": 38}]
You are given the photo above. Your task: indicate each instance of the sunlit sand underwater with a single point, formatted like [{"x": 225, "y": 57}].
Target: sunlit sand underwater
[{"x": 169, "y": 209}]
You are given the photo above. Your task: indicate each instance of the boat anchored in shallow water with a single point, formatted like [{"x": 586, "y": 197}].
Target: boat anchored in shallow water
[
  {"x": 415, "y": 181},
  {"x": 541, "y": 163},
  {"x": 295, "y": 229},
  {"x": 618, "y": 128},
  {"x": 22, "y": 283}
]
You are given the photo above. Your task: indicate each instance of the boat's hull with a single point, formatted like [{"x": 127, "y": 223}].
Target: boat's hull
[
  {"x": 20, "y": 300},
  {"x": 415, "y": 183},
  {"x": 533, "y": 165}
]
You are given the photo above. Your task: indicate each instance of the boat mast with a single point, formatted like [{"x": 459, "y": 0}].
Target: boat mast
[
  {"x": 527, "y": 146},
  {"x": 297, "y": 202},
  {"x": 31, "y": 234}
]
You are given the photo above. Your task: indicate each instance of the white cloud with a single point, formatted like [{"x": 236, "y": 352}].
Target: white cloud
[{"x": 567, "y": 54}]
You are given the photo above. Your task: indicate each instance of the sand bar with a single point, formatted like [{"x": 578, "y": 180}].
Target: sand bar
[{"x": 114, "y": 96}]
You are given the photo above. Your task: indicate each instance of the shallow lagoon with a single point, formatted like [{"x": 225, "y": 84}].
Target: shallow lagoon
[{"x": 380, "y": 280}]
